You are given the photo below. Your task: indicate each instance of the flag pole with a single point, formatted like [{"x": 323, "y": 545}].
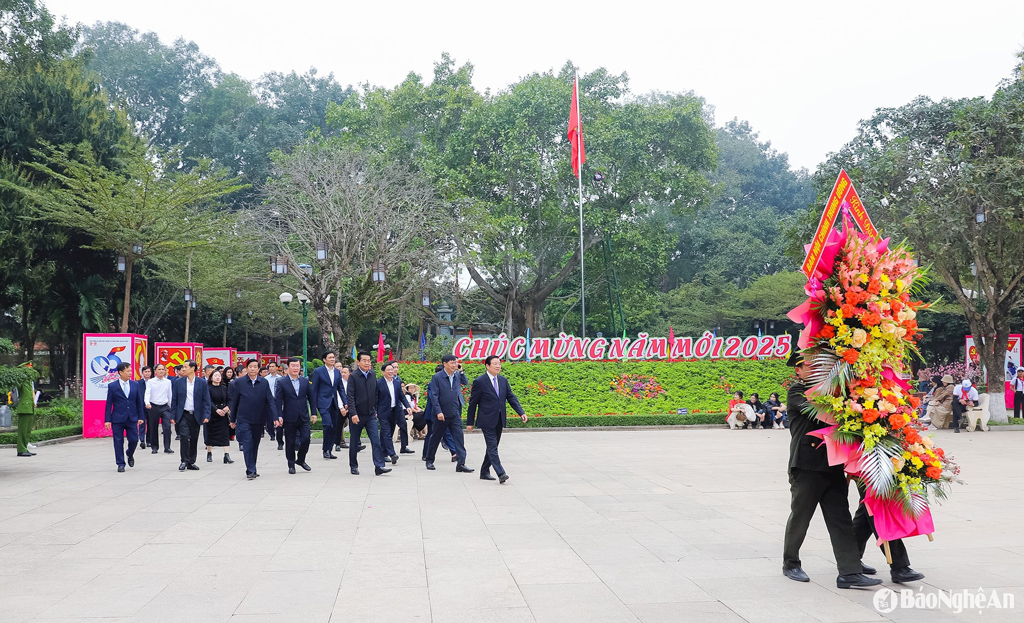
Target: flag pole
[{"x": 579, "y": 178}]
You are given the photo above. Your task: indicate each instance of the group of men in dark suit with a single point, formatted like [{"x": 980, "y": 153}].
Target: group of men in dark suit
[
  {"x": 376, "y": 405},
  {"x": 813, "y": 483}
]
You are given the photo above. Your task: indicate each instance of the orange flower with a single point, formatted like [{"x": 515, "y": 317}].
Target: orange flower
[
  {"x": 896, "y": 307},
  {"x": 852, "y": 297},
  {"x": 933, "y": 472},
  {"x": 851, "y": 355},
  {"x": 870, "y": 415},
  {"x": 827, "y": 332},
  {"x": 874, "y": 286},
  {"x": 897, "y": 421},
  {"x": 849, "y": 311},
  {"x": 914, "y": 401},
  {"x": 911, "y": 436},
  {"x": 870, "y": 319}
]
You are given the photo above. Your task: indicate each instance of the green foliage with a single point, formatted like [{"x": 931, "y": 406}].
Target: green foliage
[
  {"x": 585, "y": 387},
  {"x": 12, "y": 377},
  {"x": 60, "y": 412},
  {"x": 43, "y": 434},
  {"x": 6, "y": 346}
]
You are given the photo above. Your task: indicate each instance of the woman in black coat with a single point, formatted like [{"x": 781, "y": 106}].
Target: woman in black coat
[{"x": 218, "y": 431}]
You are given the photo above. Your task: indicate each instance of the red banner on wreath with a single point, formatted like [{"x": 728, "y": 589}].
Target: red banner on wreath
[{"x": 842, "y": 192}]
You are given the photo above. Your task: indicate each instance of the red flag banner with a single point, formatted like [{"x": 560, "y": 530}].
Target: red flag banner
[
  {"x": 842, "y": 192},
  {"x": 579, "y": 154}
]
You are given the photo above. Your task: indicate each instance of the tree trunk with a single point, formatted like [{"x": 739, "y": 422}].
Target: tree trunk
[
  {"x": 129, "y": 262},
  {"x": 993, "y": 358},
  {"x": 188, "y": 318}
]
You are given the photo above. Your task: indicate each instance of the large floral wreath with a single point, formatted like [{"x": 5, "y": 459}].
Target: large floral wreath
[{"x": 860, "y": 331}]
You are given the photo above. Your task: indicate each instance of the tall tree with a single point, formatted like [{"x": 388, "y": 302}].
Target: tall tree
[{"x": 949, "y": 176}]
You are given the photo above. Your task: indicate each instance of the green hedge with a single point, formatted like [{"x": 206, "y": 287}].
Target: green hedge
[
  {"x": 43, "y": 434},
  {"x": 576, "y": 388}
]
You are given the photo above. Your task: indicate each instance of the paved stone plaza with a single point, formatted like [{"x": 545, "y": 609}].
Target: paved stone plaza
[{"x": 656, "y": 526}]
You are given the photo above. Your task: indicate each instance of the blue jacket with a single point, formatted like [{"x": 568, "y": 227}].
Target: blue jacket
[
  {"x": 445, "y": 398},
  {"x": 491, "y": 404},
  {"x": 384, "y": 397},
  {"x": 252, "y": 403},
  {"x": 294, "y": 407},
  {"x": 325, "y": 393},
  {"x": 200, "y": 399},
  {"x": 121, "y": 409}
]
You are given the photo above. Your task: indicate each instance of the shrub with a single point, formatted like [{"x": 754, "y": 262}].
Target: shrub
[
  {"x": 586, "y": 387},
  {"x": 43, "y": 434}
]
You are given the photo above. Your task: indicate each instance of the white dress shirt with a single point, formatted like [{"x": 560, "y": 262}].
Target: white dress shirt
[
  {"x": 158, "y": 391},
  {"x": 126, "y": 387},
  {"x": 272, "y": 379},
  {"x": 190, "y": 386},
  {"x": 1018, "y": 384},
  {"x": 391, "y": 390}
]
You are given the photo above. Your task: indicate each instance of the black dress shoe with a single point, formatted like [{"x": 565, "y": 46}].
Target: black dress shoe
[
  {"x": 796, "y": 573},
  {"x": 856, "y": 580},
  {"x": 381, "y": 470},
  {"x": 25, "y": 454},
  {"x": 328, "y": 455},
  {"x": 280, "y": 445},
  {"x": 209, "y": 457},
  {"x": 337, "y": 447},
  {"x": 177, "y": 438},
  {"x": 168, "y": 451},
  {"x": 192, "y": 467},
  {"x": 423, "y": 458},
  {"x": 291, "y": 469},
  {"x": 255, "y": 475},
  {"x": 250, "y": 476},
  {"x": 394, "y": 459},
  {"x": 407, "y": 451},
  {"x": 430, "y": 466},
  {"x": 362, "y": 447},
  {"x": 486, "y": 476},
  {"x": 305, "y": 466},
  {"x": 355, "y": 471},
  {"x": 142, "y": 444},
  {"x": 182, "y": 467},
  {"x": 906, "y": 574},
  {"x": 867, "y": 569},
  {"x": 462, "y": 468},
  {"x": 131, "y": 461},
  {"x": 503, "y": 479},
  {"x": 455, "y": 459},
  {"x": 155, "y": 451},
  {"x": 120, "y": 468},
  {"x": 343, "y": 445}
]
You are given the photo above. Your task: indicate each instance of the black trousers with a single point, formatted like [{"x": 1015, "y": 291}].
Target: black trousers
[
  {"x": 190, "y": 431},
  {"x": 121, "y": 430},
  {"x": 249, "y": 436},
  {"x": 492, "y": 437},
  {"x": 810, "y": 489},
  {"x": 355, "y": 431},
  {"x": 864, "y": 527},
  {"x": 296, "y": 439},
  {"x": 1018, "y": 403},
  {"x": 158, "y": 418},
  {"x": 452, "y": 424},
  {"x": 331, "y": 425},
  {"x": 402, "y": 423}
]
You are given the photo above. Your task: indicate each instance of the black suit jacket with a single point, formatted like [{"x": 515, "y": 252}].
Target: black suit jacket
[
  {"x": 362, "y": 394},
  {"x": 120, "y": 409},
  {"x": 491, "y": 404},
  {"x": 252, "y": 403},
  {"x": 384, "y": 396},
  {"x": 200, "y": 399},
  {"x": 805, "y": 452},
  {"x": 445, "y": 398},
  {"x": 294, "y": 407}
]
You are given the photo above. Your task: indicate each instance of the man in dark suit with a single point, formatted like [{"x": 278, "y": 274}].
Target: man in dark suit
[
  {"x": 326, "y": 385},
  {"x": 251, "y": 407},
  {"x": 122, "y": 414},
  {"x": 812, "y": 483},
  {"x": 445, "y": 395},
  {"x": 392, "y": 406},
  {"x": 339, "y": 430},
  {"x": 295, "y": 404},
  {"x": 362, "y": 413},
  {"x": 491, "y": 392},
  {"x": 190, "y": 409}
]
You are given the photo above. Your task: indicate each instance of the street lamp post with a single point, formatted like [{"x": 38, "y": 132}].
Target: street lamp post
[{"x": 303, "y": 298}]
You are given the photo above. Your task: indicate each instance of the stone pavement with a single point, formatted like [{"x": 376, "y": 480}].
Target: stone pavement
[{"x": 654, "y": 526}]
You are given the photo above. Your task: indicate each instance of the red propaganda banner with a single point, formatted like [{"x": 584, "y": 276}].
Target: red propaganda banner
[{"x": 842, "y": 192}]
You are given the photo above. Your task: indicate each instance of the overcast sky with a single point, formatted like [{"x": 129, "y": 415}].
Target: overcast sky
[{"x": 802, "y": 73}]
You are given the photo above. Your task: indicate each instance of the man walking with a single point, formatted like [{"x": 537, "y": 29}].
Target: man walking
[
  {"x": 1018, "y": 393},
  {"x": 26, "y": 412},
  {"x": 400, "y": 417},
  {"x": 362, "y": 413},
  {"x": 158, "y": 409},
  {"x": 251, "y": 408},
  {"x": 812, "y": 483},
  {"x": 190, "y": 409},
  {"x": 445, "y": 395},
  {"x": 491, "y": 392},
  {"x": 339, "y": 430},
  {"x": 391, "y": 405},
  {"x": 273, "y": 375},
  {"x": 147, "y": 373},
  {"x": 326, "y": 385},
  {"x": 295, "y": 404},
  {"x": 122, "y": 414}
]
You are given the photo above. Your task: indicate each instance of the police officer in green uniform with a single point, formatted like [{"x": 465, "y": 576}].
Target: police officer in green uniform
[
  {"x": 26, "y": 412},
  {"x": 813, "y": 483}
]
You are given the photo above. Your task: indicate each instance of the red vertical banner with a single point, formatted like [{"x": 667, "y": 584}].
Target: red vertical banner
[
  {"x": 575, "y": 134},
  {"x": 842, "y": 192}
]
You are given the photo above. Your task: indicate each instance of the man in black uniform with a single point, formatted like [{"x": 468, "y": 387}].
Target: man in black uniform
[
  {"x": 864, "y": 527},
  {"x": 812, "y": 483}
]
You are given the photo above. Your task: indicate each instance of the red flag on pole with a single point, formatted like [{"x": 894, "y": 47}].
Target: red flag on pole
[
  {"x": 579, "y": 155},
  {"x": 671, "y": 342},
  {"x": 391, "y": 355},
  {"x": 380, "y": 348}
]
